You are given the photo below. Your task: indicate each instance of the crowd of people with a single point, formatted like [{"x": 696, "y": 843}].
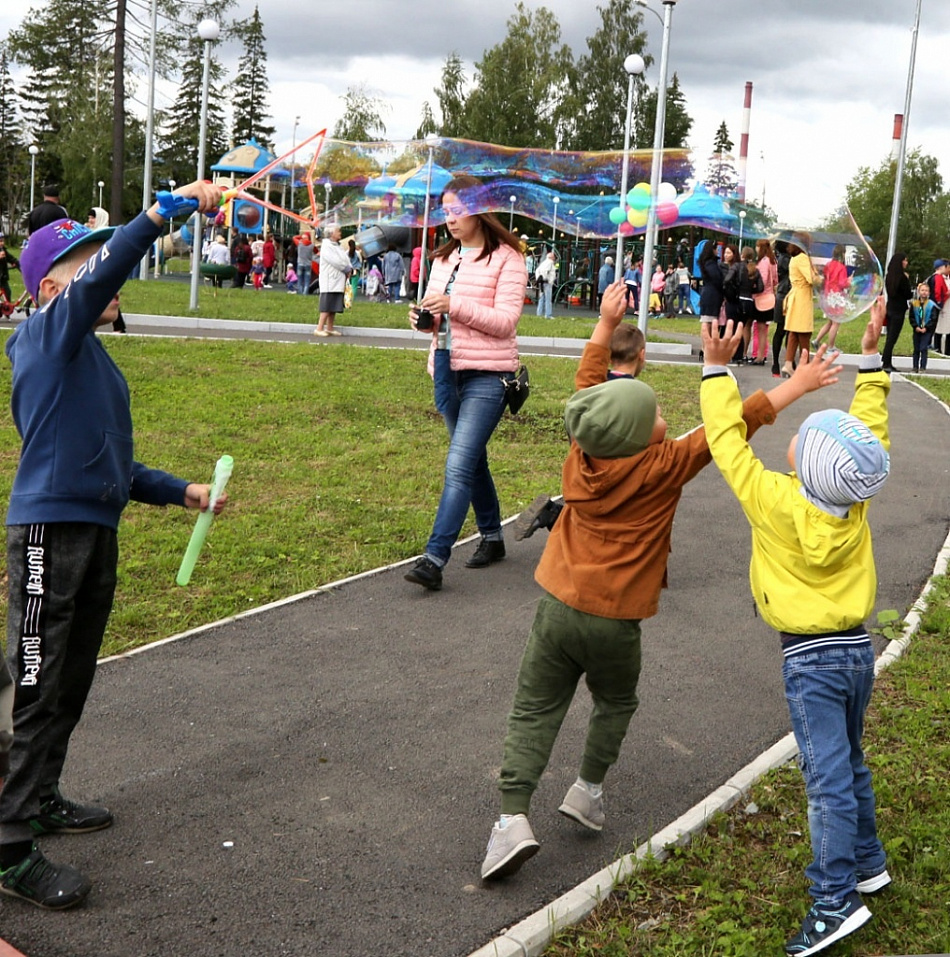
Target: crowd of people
[{"x": 604, "y": 564}]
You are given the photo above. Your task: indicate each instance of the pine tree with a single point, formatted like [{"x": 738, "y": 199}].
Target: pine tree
[
  {"x": 181, "y": 125},
  {"x": 678, "y": 121},
  {"x": 67, "y": 98},
  {"x": 250, "y": 99},
  {"x": 722, "y": 177},
  {"x": 14, "y": 158}
]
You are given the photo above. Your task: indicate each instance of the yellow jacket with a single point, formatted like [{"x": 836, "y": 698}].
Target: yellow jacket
[{"x": 811, "y": 572}]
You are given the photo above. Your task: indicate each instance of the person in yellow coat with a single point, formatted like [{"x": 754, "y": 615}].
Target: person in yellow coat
[{"x": 799, "y": 304}]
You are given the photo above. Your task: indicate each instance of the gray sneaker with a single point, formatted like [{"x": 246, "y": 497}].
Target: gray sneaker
[
  {"x": 581, "y": 806},
  {"x": 508, "y": 848}
]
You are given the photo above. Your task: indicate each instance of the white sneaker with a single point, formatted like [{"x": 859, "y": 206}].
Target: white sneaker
[
  {"x": 508, "y": 848},
  {"x": 581, "y": 806}
]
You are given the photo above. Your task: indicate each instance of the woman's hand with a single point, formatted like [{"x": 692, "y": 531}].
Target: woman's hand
[{"x": 436, "y": 302}]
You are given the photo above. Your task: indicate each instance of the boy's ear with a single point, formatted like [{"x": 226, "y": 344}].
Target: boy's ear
[{"x": 49, "y": 289}]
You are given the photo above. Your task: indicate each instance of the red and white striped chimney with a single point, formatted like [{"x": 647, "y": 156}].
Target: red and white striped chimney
[
  {"x": 744, "y": 141},
  {"x": 896, "y": 141}
]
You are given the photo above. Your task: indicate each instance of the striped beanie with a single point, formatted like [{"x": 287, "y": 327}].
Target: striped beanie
[{"x": 839, "y": 460}]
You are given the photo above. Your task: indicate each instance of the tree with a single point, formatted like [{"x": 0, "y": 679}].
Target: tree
[
  {"x": 66, "y": 99},
  {"x": 14, "y": 158},
  {"x": 250, "y": 99},
  {"x": 362, "y": 120},
  {"x": 923, "y": 218},
  {"x": 451, "y": 95},
  {"x": 722, "y": 177},
  {"x": 593, "y": 114},
  {"x": 178, "y": 157},
  {"x": 427, "y": 124},
  {"x": 678, "y": 121},
  {"x": 520, "y": 83}
]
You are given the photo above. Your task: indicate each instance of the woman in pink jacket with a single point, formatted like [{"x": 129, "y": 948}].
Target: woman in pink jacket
[{"x": 475, "y": 294}]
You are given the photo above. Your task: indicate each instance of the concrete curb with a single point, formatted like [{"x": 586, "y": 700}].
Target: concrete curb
[
  {"x": 196, "y": 324},
  {"x": 535, "y": 933}
]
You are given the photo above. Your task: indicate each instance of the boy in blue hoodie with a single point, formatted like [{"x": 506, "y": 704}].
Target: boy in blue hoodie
[
  {"x": 814, "y": 581},
  {"x": 76, "y": 474}
]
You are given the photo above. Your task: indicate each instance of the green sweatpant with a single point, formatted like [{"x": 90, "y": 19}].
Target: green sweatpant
[{"x": 563, "y": 645}]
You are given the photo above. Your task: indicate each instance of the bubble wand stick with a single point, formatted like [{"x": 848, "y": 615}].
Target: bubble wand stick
[{"x": 222, "y": 472}]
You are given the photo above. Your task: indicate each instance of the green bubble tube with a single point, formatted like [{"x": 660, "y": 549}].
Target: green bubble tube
[{"x": 222, "y": 472}]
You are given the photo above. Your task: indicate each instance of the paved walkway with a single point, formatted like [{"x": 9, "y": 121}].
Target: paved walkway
[{"x": 318, "y": 777}]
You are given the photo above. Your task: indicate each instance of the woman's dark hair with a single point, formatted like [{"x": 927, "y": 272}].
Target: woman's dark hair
[
  {"x": 709, "y": 252},
  {"x": 735, "y": 254},
  {"x": 469, "y": 190},
  {"x": 895, "y": 274},
  {"x": 838, "y": 253},
  {"x": 764, "y": 248}
]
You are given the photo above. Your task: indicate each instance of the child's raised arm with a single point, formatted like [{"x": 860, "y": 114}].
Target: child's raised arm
[{"x": 613, "y": 308}]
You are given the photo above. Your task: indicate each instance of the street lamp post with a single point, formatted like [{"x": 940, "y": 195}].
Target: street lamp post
[
  {"x": 149, "y": 128},
  {"x": 293, "y": 164},
  {"x": 742, "y": 215},
  {"x": 634, "y": 66},
  {"x": 657, "y": 166},
  {"x": 326, "y": 203},
  {"x": 34, "y": 149},
  {"x": 511, "y": 216},
  {"x": 208, "y": 31},
  {"x": 902, "y": 152},
  {"x": 431, "y": 140},
  {"x": 556, "y": 200},
  {"x": 100, "y": 184}
]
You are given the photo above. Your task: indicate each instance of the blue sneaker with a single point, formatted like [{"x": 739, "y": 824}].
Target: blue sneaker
[{"x": 823, "y": 925}]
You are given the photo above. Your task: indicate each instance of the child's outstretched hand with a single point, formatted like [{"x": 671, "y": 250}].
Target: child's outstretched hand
[
  {"x": 719, "y": 351},
  {"x": 613, "y": 306},
  {"x": 872, "y": 332},
  {"x": 816, "y": 371}
]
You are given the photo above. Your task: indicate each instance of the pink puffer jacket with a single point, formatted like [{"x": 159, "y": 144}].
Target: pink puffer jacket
[{"x": 485, "y": 305}]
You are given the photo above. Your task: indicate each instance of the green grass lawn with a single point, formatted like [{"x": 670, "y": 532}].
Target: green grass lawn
[{"x": 338, "y": 466}]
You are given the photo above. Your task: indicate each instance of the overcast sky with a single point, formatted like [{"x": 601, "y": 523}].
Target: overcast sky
[{"x": 828, "y": 75}]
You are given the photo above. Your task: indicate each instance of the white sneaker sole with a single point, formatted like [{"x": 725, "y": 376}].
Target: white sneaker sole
[
  {"x": 512, "y": 863},
  {"x": 575, "y": 815},
  {"x": 871, "y": 885},
  {"x": 858, "y": 919}
]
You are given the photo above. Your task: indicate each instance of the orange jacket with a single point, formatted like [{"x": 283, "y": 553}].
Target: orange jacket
[{"x": 607, "y": 553}]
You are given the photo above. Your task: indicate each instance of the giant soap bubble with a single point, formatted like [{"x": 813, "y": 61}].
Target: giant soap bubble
[{"x": 390, "y": 183}]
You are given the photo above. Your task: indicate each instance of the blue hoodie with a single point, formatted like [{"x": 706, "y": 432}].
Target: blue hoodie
[{"x": 71, "y": 403}]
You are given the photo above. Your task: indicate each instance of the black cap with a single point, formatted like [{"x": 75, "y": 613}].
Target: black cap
[{"x": 51, "y": 189}]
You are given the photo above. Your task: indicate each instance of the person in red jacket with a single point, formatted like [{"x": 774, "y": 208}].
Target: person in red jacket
[{"x": 269, "y": 259}]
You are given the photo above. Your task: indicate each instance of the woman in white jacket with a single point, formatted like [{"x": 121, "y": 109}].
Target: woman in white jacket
[{"x": 475, "y": 295}]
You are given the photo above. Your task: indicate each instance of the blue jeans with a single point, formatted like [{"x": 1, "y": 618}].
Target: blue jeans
[
  {"x": 472, "y": 403},
  {"x": 304, "y": 279},
  {"x": 682, "y": 294},
  {"x": 921, "y": 345},
  {"x": 545, "y": 300},
  {"x": 827, "y": 693}
]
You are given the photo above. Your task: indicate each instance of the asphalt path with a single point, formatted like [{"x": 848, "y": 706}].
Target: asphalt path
[{"x": 318, "y": 778}]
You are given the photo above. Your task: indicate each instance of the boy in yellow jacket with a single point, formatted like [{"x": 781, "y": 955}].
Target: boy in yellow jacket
[{"x": 814, "y": 581}]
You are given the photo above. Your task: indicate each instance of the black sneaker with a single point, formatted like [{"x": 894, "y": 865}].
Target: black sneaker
[
  {"x": 487, "y": 553},
  {"x": 824, "y": 925},
  {"x": 39, "y": 881},
  {"x": 541, "y": 513},
  {"x": 58, "y": 815},
  {"x": 425, "y": 572}
]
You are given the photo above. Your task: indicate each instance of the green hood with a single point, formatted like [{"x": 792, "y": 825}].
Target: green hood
[{"x": 612, "y": 420}]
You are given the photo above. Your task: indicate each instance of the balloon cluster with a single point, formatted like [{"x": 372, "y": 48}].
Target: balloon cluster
[{"x": 634, "y": 213}]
